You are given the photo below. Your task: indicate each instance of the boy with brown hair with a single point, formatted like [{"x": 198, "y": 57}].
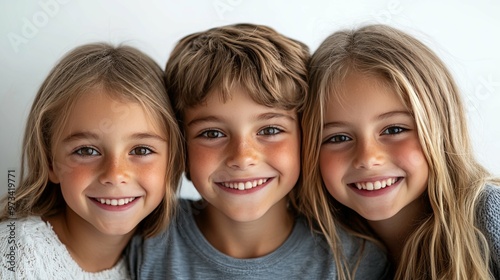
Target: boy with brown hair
[{"x": 238, "y": 93}]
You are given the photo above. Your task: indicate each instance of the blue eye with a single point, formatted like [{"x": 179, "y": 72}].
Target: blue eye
[
  {"x": 394, "y": 130},
  {"x": 338, "y": 139},
  {"x": 141, "y": 151},
  {"x": 270, "y": 130},
  {"x": 86, "y": 152},
  {"x": 212, "y": 134}
]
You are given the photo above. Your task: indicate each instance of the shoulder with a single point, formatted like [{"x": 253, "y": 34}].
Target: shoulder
[
  {"x": 488, "y": 219},
  {"x": 37, "y": 253},
  {"x": 488, "y": 207},
  {"x": 151, "y": 256},
  {"x": 317, "y": 257},
  {"x": 373, "y": 261},
  {"x": 27, "y": 241},
  {"x": 24, "y": 229}
]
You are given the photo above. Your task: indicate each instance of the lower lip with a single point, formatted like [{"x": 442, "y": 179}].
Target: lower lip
[
  {"x": 246, "y": 191},
  {"x": 117, "y": 207},
  {"x": 378, "y": 192}
]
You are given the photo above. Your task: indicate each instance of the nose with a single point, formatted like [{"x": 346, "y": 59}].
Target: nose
[
  {"x": 242, "y": 154},
  {"x": 114, "y": 171},
  {"x": 368, "y": 154}
]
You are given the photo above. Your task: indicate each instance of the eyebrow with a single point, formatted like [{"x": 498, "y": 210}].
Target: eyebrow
[
  {"x": 265, "y": 116},
  {"x": 380, "y": 117},
  {"x": 93, "y": 136}
]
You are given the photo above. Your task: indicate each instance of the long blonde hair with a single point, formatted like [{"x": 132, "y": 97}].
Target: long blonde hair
[
  {"x": 447, "y": 244},
  {"x": 124, "y": 72}
]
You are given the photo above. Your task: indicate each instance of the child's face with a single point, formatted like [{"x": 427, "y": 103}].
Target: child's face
[
  {"x": 371, "y": 159},
  {"x": 243, "y": 157},
  {"x": 111, "y": 163}
]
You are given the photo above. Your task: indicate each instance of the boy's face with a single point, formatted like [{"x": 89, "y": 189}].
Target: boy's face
[{"x": 243, "y": 157}]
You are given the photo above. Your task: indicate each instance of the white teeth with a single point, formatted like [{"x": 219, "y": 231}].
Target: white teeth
[
  {"x": 115, "y": 202},
  {"x": 377, "y": 185},
  {"x": 244, "y": 185},
  {"x": 248, "y": 185}
]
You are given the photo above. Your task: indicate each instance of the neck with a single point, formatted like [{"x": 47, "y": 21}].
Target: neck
[
  {"x": 92, "y": 250},
  {"x": 246, "y": 239},
  {"x": 395, "y": 231}
]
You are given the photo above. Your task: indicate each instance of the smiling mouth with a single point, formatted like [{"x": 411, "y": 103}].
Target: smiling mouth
[
  {"x": 375, "y": 185},
  {"x": 244, "y": 185},
  {"x": 115, "y": 202}
]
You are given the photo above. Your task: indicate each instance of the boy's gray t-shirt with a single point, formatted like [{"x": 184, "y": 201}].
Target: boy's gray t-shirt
[{"x": 182, "y": 252}]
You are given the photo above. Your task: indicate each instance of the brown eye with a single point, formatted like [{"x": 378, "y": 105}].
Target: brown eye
[
  {"x": 270, "y": 130},
  {"x": 212, "y": 134},
  {"x": 339, "y": 139},
  {"x": 141, "y": 151},
  {"x": 87, "y": 151}
]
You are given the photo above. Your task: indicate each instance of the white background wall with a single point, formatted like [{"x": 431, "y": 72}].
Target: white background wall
[{"x": 35, "y": 34}]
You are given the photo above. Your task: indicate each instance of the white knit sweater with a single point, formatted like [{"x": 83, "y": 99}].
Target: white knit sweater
[{"x": 30, "y": 249}]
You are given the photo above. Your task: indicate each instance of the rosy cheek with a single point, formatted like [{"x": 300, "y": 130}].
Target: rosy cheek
[
  {"x": 416, "y": 159},
  {"x": 328, "y": 160},
  {"x": 287, "y": 152},
  {"x": 411, "y": 155},
  {"x": 74, "y": 176},
  {"x": 155, "y": 173}
]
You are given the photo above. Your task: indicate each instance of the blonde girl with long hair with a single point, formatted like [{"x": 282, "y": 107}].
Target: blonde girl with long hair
[
  {"x": 101, "y": 161},
  {"x": 387, "y": 156}
]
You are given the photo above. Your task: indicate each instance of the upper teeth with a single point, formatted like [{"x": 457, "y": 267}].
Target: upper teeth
[
  {"x": 370, "y": 186},
  {"x": 244, "y": 185},
  {"x": 115, "y": 202}
]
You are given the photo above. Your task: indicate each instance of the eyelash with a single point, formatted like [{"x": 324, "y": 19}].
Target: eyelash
[
  {"x": 267, "y": 128},
  {"x": 205, "y": 134},
  {"x": 149, "y": 151},
  {"x": 79, "y": 151},
  {"x": 337, "y": 141},
  {"x": 394, "y": 127}
]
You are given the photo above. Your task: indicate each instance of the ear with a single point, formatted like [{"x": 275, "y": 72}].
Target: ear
[{"x": 53, "y": 177}]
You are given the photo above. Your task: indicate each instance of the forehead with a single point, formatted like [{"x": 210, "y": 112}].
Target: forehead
[
  {"x": 239, "y": 103},
  {"x": 360, "y": 93},
  {"x": 103, "y": 113}
]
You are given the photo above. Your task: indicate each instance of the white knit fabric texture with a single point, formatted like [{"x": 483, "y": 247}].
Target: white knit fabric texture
[{"x": 39, "y": 254}]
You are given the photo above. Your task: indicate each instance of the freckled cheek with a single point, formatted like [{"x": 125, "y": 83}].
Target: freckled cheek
[
  {"x": 75, "y": 176},
  {"x": 284, "y": 155},
  {"x": 152, "y": 176},
  {"x": 201, "y": 160}
]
